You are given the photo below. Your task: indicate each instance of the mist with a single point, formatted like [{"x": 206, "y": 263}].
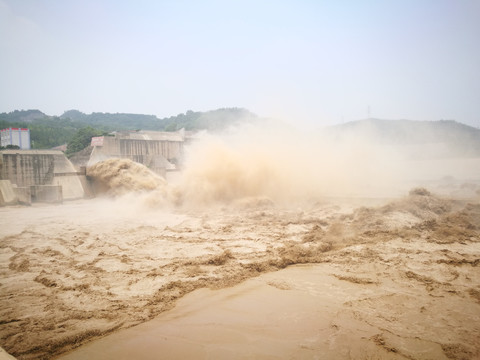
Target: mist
[
  {"x": 280, "y": 163},
  {"x": 289, "y": 166}
]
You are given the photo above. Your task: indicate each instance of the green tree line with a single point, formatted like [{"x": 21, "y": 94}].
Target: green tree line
[{"x": 74, "y": 127}]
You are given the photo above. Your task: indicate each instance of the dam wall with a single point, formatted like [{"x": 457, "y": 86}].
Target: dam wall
[
  {"x": 34, "y": 169},
  {"x": 7, "y": 193},
  {"x": 27, "y": 168},
  {"x": 170, "y": 150},
  {"x": 159, "y": 151}
]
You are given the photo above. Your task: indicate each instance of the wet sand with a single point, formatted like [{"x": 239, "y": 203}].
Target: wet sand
[{"x": 397, "y": 278}]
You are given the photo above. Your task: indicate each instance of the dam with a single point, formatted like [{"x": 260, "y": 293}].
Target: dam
[
  {"x": 28, "y": 176},
  {"x": 159, "y": 151}
]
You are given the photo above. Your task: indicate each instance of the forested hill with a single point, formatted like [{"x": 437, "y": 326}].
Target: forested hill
[
  {"x": 50, "y": 131},
  {"x": 22, "y": 116},
  {"x": 191, "y": 120},
  {"x": 118, "y": 121}
]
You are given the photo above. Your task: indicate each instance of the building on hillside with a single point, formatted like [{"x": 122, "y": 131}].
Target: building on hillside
[{"x": 16, "y": 136}]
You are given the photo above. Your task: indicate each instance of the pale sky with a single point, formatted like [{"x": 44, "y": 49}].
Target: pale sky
[{"x": 306, "y": 62}]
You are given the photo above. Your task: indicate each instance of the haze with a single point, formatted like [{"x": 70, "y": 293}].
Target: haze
[{"x": 307, "y": 62}]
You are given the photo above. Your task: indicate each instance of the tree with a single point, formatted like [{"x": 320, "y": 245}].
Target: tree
[
  {"x": 10, "y": 147},
  {"x": 171, "y": 127},
  {"x": 82, "y": 139}
]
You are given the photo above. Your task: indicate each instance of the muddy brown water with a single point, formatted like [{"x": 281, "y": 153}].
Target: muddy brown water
[
  {"x": 393, "y": 280},
  {"x": 302, "y": 312}
]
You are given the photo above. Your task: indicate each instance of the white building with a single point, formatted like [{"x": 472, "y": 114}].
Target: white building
[{"x": 16, "y": 136}]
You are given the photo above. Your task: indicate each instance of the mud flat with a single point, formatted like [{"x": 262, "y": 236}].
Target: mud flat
[{"x": 394, "y": 279}]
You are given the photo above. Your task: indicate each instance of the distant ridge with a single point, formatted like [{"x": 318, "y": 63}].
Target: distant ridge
[
  {"x": 460, "y": 139},
  {"x": 453, "y": 138},
  {"x": 23, "y": 115},
  {"x": 191, "y": 120},
  {"x": 50, "y": 131}
]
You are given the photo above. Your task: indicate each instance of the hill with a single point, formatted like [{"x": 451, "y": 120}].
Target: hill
[
  {"x": 45, "y": 131},
  {"x": 118, "y": 121},
  {"x": 211, "y": 120},
  {"x": 50, "y": 131},
  {"x": 448, "y": 136},
  {"x": 26, "y": 116}
]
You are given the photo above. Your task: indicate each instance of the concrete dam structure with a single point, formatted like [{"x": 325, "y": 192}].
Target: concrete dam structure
[
  {"x": 159, "y": 151},
  {"x": 28, "y": 176},
  {"x": 38, "y": 175}
]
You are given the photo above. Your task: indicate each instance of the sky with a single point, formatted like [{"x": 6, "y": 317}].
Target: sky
[{"x": 305, "y": 62}]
